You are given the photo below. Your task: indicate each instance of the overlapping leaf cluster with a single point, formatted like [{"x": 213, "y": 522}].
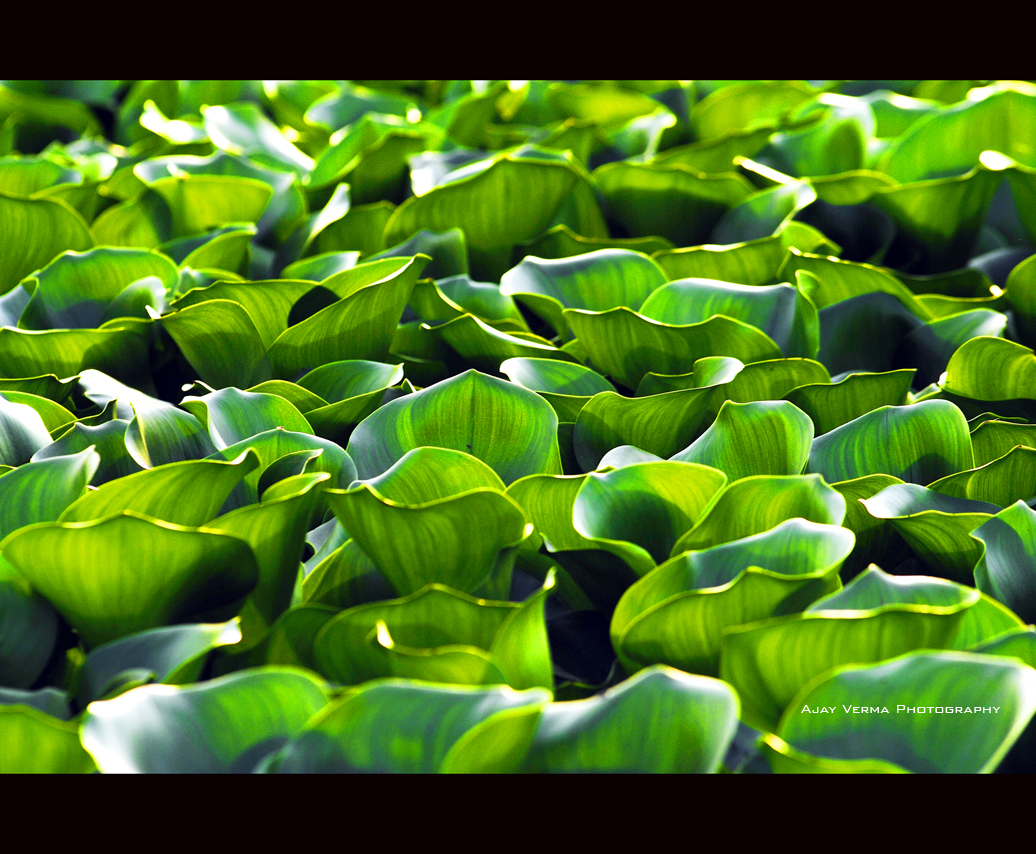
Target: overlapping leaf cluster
[{"x": 517, "y": 426}]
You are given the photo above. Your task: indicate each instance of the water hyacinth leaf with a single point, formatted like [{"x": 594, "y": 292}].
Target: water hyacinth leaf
[
  {"x": 594, "y": 281},
  {"x": 625, "y": 345},
  {"x": 37, "y": 230},
  {"x": 242, "y": 128},
  {"x": 47, "y": 385},
  {"x": 772, "y": 379},
  {"x": 993, "y": 438},
  {"x": 928, "y": 743},
  {"x": 991, "y": 369},
  {"x": 650, "y": 504},
  {"x": 195, "y": 203},
  {"x": 28, "y": 631},
  {"x": 781, "y": 311},
  {"x": 918, "y": 443},
  {"x": 40, "y": 491},
  {"x": 55, "y": 417},
  {"x": 108, "y": 441},
  {"x": 512, "y": 430},
  {"x": 561, "y": 242},
  {"x": 717, "y": 154},
  {"x": 75, "y": 289},
  {"x": 758, "y": 503},
  {"x": 188, "y": 493},
  {"x": 936, "y": 526},
  {"x": 747, "y": 104},
  {"x": 174, "y": 655},
  {"x": 876, "y": 540},
  {"x": 447, "y": 249},
  {"x": 1004, "y": 570},
  {"x": 830, "y": 405},
  {"x": 226, "y": 248},
  {"x": 479, "y": 344},
  {"x": 440, "y": 533},
  {"x": 22, "y": 433},
  {"x": 765, "y": 437},
  {"x": 874, "y": 618},
  {"x": 674, "y": 202},
  {"x": 160, "y": 433},
  {"x": 345, "y": 578},
  {"x": 548, "y": 501},
  {"x": 565, "y": 386},
  {"x": 397, "y": 725},
  {"x": 221, "y": 342},
  {"x": 763, "y": 212},
  {"x": 424, "y": 475},
  {"x": 232, "y": 416},
  {"x": 135, "y": 573},
  {"x": 118, "y": 348},
  {"x": 696, "y": 720},
  {"x": 660, "y": 424},
  {"x": 931, "y": 346},
  {"x": 37, "y": 743},
  {"x": 1002, "y": 482},
  {"x": 359, "y": 326},
  {"x": 727, "y": 585},
  {"x": 320, "y": 267},
  {"x": 484, "y": 204},
  {"x": 243, "y": 716},
  {"x": 276, "y": 531}
]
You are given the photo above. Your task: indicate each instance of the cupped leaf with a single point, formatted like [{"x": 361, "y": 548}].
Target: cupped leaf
[
  {"x": 763, "y": 212},
  {"x": 226, "y": 724},
  {"x": 565, "y": 386},
  {"x": 40, "y": 491},
  {"x": 918, "y": 443},
  {"x": 35, "y": 231},
  {"x": 397, "y": 725},
  {"x": 108, "y": 441},
  {"x": 232, "y": 416},
  {"x": 925, "y": 712},
  {"x": 660, "y": 423},
  {"x": 1005, "y": 569},
  {"x": 758, "y": 503},
  {"x": 674, "y": 202},
  {"x": 936, "y": 526},
  {"x": 22, "y": 433},
  {"x": 677, "y": 613},
  {"x": 134, "y": 573},
  {"x": 594, "y": 281},
  {"x": 479, "y": 344},
  {"x": 118, "y": 347},
  {"x": 175, "y": 656},
  {"x": 873, "y": 618},
  {"x": 993, "y": 438},
  {"x": 74, "y": 290},
  {"x": 747, "y": 104},
  {"x": 509, "y": 198},
  {"x": 1002, "y": 482},
  {"x": 626, "y": 345},
  {"x": 160, "y": 433},
  {"x": 55, "y": 417},
  {"x": 221, "y": 342},
  {"x": 778, "y": 435},
  {"x": 561, "y": 242},
  {"x": 512, "y": 430},
  {"x": 987, "y": 368},
  {"x": 649, "y": 504},
  {"x": 357, "y": 326},
  {"x": 830, "y": 405},
  {"x": 28, "y": 630},
  {"x": 692, "y": 722}
]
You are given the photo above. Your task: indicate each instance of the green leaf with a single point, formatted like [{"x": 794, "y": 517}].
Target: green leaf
[
  {"x": 649, "y": 504},
  {"x": 594, "y": 281},
  {"x": 346, "y": 577},
  {"x": 876, "y": 540},
  {"x": 781, "y": 311},
  {"x": 773, "y": 379},
  {"x": 36, "y": 743},
  {"x": 320, "y": 267},
  {"x": 756, "y": 504},
  {"x": 660, "y": 424},
  {"x": 692, "y": 722},
  {"x": 304, "y": 401},
  {"x": 447, "y": 249},
  {"x": 22, "y": 433},
  {"x": 561, "y": 242},
  {"x": 221, "y": 342},
  {"x": 232, "y": 416},
  {"x": 918, "y": 443},
  {"x": 28, "y": 630},
  {"x": 830, "y": 405},
  {"x": 108, "y": 441},
  {"x": 1004, "y": 481},
  {"x": 993, "y": 438},
  {"x": 226, "y": 724},
  {"x": 626, "y": 346},
  {"x": 1004, "y": 570},
  {"x": 188, "y": 493},
  {"x": 134, "y": 573},
  {"x": 118, "y": 347},
  {"x": 677, "y": 613},
  {"x": 717, "y": 154},
  {"x": 991, "y": 369},
  {"x": 242, "y": 128},
  {"x": 35, "y": 231},
  {"x": 567, "y": 387},
  {"x": 40, "y": 491},
  {"x": 195, "y": 203},
  {"x": 763, "y": 212},
  {"x": 160, "y": 433},
  {"x": 512, "y": 430},
  {"x": 874, "y": 618},
  {"x": 674, "y": 202},
  {"x": 934, "y": 525},
  {"x": 509, "y": 198},
  {"x": 765, "y": 437},
  {"x": 397, "y": 725},
  {"x": 481, "y": 345},
  {"x": 175, "y": 656},
  {"x": 358, "y": 326},
  {"x": 75, "y": 289},
  {"x": 746, "y": 105},
  {"x": 923, "y": 743}
]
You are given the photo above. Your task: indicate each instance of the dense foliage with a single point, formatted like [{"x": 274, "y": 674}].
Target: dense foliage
[{"x": 477, "y": 426}]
